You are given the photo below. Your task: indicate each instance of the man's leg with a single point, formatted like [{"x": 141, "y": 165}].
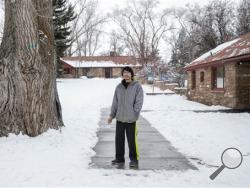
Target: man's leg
[
  {"x": 131, "y": 132},
  {"x": 120, "y": 141}
]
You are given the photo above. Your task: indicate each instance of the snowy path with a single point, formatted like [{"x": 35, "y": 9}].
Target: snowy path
[
  {"x": 155, "y": 152},
  {"x": 62, "y": 158}
]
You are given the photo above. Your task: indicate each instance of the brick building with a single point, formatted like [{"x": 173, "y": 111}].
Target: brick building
[
  {"x": 98, "y": 66},
  {"x": 222, "y": 75}
]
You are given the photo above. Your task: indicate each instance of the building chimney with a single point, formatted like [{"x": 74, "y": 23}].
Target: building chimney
[{"x": 112, "y": 53}]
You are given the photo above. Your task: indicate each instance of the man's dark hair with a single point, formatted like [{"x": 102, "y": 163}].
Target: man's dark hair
[{"x": 129, "y": 69}]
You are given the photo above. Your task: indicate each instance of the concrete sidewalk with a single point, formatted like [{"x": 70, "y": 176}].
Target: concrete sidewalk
[{"x": 155, "y": 152}]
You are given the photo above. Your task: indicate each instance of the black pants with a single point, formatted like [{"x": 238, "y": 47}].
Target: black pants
[{"x": 131, "y": 132}]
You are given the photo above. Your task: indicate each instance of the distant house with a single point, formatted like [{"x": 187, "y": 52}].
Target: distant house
[
  {"x": 222, "y": 76},
  {"x": 98, "y": 66}
]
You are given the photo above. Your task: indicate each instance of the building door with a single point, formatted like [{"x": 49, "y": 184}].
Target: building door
[
  {"x": 243, "y": 85},
  {"x": 108, "y": 72},
  {"x": 85, "y": 71}
]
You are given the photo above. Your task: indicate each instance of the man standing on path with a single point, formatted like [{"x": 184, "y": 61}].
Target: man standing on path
[{"x": 126, "y": 107}]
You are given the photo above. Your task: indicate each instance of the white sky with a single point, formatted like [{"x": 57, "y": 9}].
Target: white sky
[
  {"x": 109, "y": 4},
  {"x": 165, "y": 50}
]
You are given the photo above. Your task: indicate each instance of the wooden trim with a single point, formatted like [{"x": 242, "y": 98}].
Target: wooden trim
[{"x": 214, "y": 77}]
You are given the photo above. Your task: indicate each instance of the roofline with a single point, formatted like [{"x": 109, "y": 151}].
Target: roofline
[
  {"x": 213, "y": 63},
  {"x": 105, "y": 56},
  {"x": 131, "y": 65},
  {"x": 66, "y": 62},
  {"x": 103, "y": 67}
]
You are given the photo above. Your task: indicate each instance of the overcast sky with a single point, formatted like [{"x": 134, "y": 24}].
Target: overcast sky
[
  {"x": 165, "y": 50},
  {"x": 109, "y": 4}
]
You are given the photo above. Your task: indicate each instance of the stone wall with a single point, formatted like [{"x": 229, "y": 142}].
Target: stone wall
[
  {"x": 100, "y": 72},
  {"x": 96, "y": 72},
  {"x": 116, "y": 72},
  {"x": 160, "y": 84},
  {"x": 204, "y": 92},
  {"x": 180, "y": 90},
  {"x": 171, "y": 86}
]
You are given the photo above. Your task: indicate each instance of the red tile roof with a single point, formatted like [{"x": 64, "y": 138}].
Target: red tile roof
[
  {"x": 237, "y": 48},
  {"x": 116, "y": 59}
]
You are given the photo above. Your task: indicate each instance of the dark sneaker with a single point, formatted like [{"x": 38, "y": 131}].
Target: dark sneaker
[
  {"x": 133, "y": 163},
  {"x": 116, "y": 161}
]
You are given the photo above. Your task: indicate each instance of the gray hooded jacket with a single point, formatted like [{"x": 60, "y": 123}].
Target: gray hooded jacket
[{"x": 127, "y": 103}]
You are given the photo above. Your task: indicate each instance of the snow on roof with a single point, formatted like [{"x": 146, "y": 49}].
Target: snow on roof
[
  {"x": 216, "y": 50},
  {"x": 230, "y": 49},
  {"x": 101, "y": 61},
  {"x": 89, "y": 64}
]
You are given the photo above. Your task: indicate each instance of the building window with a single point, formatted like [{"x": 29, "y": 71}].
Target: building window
[
  {"x": 108, "y": 72},
  {"x": 202, "y": 77},
  {"x": 85, "y": 71},
  {"x": 193, "y": 80},
  {"x": 66, "y": 71},
  {"x": 218, "y": 77}
]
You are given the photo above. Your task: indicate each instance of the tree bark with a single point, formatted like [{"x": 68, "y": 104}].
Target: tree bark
[{"x": 29, "y": 100}]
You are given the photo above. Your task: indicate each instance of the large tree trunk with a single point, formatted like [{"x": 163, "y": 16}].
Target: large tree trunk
[{"x": 29, "y": 101}]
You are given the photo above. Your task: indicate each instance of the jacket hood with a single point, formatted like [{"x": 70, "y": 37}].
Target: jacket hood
[
  {"x": 133, "y": 81},
  {"x": 123, "y": 83}
]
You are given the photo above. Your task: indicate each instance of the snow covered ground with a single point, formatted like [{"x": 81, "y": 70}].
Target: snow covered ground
[{"x": 61, "y": 158}]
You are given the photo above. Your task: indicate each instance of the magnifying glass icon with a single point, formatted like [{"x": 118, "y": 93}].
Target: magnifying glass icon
[{"x": 231, "y": 158}]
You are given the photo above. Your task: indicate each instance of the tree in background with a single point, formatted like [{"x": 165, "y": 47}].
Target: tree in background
[
  {"x": 116, "y": 43},
  {"x": 142, "y": 27},
  {"x": 201, "y": 29},
  {"x": 180, "y": 57},
  {"x": 243, "y": 17},
  {"x": 207, "y": 26},
  {"x": 222, "y": 12},
  {"x": 29, "y": 102},
  {"x": 87, "y": 29},
  {"x": 63, "y": 14}
]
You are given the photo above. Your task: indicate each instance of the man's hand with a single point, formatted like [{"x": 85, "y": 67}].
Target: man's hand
[{"x": 110, "y": 120}]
